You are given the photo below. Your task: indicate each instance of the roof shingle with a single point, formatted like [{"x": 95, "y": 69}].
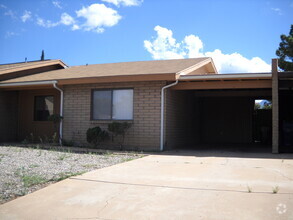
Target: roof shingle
[{"x": 113, "y": 69}]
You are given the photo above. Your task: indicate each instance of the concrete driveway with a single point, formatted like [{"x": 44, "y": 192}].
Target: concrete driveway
[{"x": 178, "y": 185}]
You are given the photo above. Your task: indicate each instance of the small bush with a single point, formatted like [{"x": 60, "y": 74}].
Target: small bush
[
  {"x": 96, "y": 135},
  {"x": 55, "y": 118},
  {"x": 119, "y": 129},
  {"x": 68, "y": 143}
]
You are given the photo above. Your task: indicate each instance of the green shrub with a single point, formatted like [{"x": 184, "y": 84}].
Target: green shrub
[
  {"x": 55, "y": 118},
  {"x": 96, "y": 135},
  {"x": 119, "y": 129}
]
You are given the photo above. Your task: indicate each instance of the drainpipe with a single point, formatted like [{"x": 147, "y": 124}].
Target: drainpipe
[
  {"x": 61, "y": 113},
  {"x": 162, "y": 113}
]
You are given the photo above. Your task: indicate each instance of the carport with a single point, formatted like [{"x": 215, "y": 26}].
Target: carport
[{"x": 213, "y": 111}]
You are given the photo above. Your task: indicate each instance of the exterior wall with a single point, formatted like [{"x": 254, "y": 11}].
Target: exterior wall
[
  {"x": 193, "y": 120},
  {"x": 8, "y": 115},
  {"x": 145, "y": 131},
  {"x": 27, "y": 125},
  {"x": 226, "y": 120},
  {"x": 180, "y": 112}
]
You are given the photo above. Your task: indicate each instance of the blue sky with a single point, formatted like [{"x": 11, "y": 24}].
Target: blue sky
[{"x": 241, "y": 36}]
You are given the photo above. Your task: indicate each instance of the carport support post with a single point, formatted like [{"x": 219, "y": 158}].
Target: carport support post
[{"x": 275, "y": 107}]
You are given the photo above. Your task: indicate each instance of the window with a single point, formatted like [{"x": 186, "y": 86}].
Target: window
[
  {"x": 112, "y": 104},
  {"x": 44, "y": 107}
]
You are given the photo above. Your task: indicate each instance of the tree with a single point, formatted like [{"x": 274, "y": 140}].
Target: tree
[
  {"x": 285, "y": 51},
  {"x": 43, "y": 55}
]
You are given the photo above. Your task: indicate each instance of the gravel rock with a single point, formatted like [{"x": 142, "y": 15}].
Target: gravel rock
[{"x": 24, "y": 170}]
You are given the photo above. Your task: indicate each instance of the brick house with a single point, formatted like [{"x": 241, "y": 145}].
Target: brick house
[{"x": 171, "y": 104}]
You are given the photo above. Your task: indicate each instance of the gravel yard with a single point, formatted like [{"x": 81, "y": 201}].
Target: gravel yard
[{"x": 24, "y": 170}]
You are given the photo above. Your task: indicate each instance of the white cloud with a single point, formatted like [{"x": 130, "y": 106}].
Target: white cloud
[
  {"x": 95, "y": 17},
  {"x": 277, "y": 10},
  {"x": 26, "y": 16},
  {"x": 194, "y": 46},
  {"x": 164, "y": 46},
  {"x": 75, "y": 27},
  {"x": 124, "y": 2},
  {"x": 3, "y": 6},
  {"x": 46, "y": 23},
  {"x": 66, "y": 19},
  {"x": 57, "y": 4},
  {"x": 98, "y": 16},
  {"x": 9, "y": 34},
  {"x": 10, "y": 13}
]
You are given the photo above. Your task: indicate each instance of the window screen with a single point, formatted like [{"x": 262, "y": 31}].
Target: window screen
[{"x": 102, "y": 104}]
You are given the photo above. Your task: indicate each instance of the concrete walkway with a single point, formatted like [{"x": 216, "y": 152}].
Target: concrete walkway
[{"x": 191, "y": 186}]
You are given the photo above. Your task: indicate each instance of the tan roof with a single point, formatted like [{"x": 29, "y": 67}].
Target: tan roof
[
  {"x": 13, "y": 67},
  {"x": 146, "y": 68}
]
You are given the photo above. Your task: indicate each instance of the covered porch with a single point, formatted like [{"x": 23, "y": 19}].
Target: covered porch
[{"x": 25, "y": 111}]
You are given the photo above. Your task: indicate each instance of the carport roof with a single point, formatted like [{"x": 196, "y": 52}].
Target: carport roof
[{"x": 125, "y": 71}]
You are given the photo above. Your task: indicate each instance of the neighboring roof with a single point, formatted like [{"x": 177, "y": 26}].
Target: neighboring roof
[
  {"x": 13, "y": 67},
  {"x": 147, "y": 69}
]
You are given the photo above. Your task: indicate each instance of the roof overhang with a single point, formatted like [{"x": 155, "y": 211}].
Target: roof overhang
[
  {"x": 225, "y": 81},
  {"x": 27, "y": 85},
  {"x": 221, "y": 77},
  {"x": 208, "y": 63},
  {"x": 34, "y": 66}
]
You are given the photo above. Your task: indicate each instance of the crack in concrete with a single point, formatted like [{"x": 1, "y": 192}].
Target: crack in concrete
[
  {"x": 173, "y": 187},
  {"x": 107, "y": 201}
]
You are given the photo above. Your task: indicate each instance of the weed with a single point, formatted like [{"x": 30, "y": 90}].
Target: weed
[
  {"x": 63, "y": 176},
  {"x": 33, "y": 166},
  {"x": 108, "y": 154},
  {"x": 32, "y": 137},
  {"x": 22, "y": 192},
  {"x": 9, "y": 184},
  {"x": 1, "y": 156},
  {"x": 249, "y": 190},
  {"x": 62, "y": 157},
  {"x": 19, "y": 172},
  {"x": 275, "y": 189},
  {"x": 127, "y": 159},
  {"x": 25, "y": 141},
  {"x": 31, "y": 180},
  {"x": 89, "y": 165}
]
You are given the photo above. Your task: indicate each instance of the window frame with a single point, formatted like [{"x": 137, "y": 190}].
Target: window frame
[
  {"x": 111, "y": 90},
  {"x": 34, "y": 107}
]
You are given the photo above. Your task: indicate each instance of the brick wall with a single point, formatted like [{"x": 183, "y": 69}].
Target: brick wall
[
  {"x": 180, "y": 111},
  {"x": 145, "y": 131},
  {"x": 8, "y": 116}
]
